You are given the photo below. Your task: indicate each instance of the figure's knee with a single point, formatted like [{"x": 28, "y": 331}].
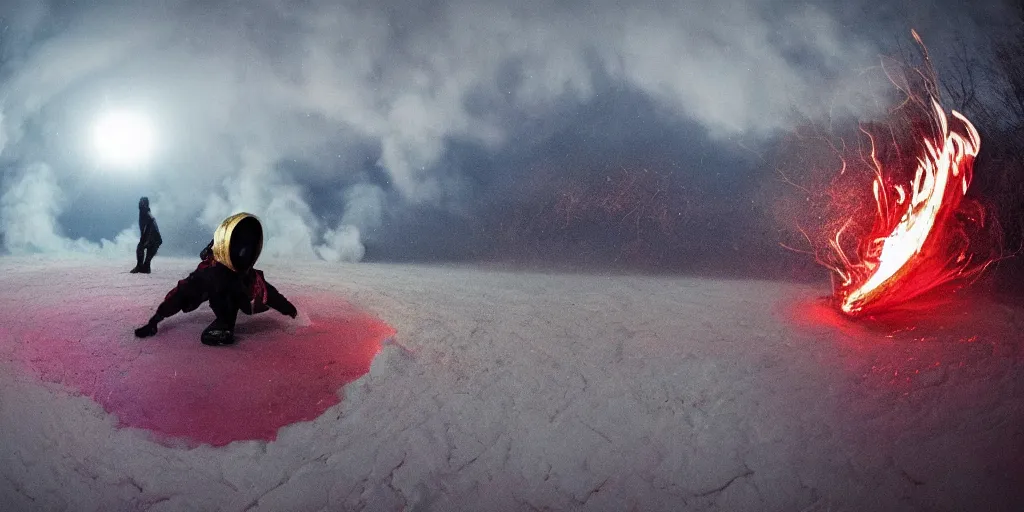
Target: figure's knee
[
  {"x": 224, "y": 310},
  {"x": 227, "y": 318}
]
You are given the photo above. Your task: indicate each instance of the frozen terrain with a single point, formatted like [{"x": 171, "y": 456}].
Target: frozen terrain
[{"x": 517, "y": 391}]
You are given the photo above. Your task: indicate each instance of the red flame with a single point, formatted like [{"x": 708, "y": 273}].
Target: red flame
[
  {"x": 911, "y": 249},
  {"x": 895, "y": 222}
]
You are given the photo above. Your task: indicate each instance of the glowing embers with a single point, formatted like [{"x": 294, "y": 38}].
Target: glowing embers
[{"x": 917, "y": 241}]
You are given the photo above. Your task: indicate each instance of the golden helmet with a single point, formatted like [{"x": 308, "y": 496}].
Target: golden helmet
[{"x": 238, "y": 242}]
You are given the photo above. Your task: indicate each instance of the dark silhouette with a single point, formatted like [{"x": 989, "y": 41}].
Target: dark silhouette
[
  {"x": 149, "y": 241},
  {"x": 226, "y": 278}
]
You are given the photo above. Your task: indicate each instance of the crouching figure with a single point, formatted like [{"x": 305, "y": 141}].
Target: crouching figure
[{"x": 226, "y": 278}]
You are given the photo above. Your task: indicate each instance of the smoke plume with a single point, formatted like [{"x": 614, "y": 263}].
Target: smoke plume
[{"x": 327, "y": 119}]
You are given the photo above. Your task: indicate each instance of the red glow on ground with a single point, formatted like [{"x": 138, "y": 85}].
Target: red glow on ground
[
  {"x": 929, "y": 316},
  {"x": 907, "y": 350},
  {"x": 278, "y": 373}
]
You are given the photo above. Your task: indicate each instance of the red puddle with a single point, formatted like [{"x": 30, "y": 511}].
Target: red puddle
[{"x": 278, "y": 373}]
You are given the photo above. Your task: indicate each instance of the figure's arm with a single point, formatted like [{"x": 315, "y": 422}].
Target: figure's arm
[
  {"x": 154, "y": 228},
  {"x": 279, "y": 302},
  {"x": 145, "y": 224},
  {"x": 188, "y": 292}
]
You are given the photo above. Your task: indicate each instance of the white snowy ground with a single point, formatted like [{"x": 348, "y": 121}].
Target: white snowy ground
[{"x": 510, "y": 391}]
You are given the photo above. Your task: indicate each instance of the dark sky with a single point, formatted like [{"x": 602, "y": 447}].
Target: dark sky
[{"x": 422, "y": 130}]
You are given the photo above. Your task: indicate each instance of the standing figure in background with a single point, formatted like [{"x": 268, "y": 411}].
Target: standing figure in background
[{"x": 150, "y": 240}]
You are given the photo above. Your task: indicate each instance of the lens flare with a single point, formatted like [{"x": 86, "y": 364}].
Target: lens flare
[{"x": 123, "y": 139}]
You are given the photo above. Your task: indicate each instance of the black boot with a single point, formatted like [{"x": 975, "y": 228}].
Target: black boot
[{"x": 218, "y": 333}]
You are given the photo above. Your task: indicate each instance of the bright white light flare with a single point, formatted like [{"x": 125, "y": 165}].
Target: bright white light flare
[{"x": 124, "y": 139}]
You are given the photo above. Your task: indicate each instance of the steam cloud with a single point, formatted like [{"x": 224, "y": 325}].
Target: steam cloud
[
  {"x": 263, "y": 104},
  {"x": 30, "y": 206}
]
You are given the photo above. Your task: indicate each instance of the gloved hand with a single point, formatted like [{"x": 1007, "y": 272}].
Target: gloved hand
[
  {"x": 288, "y": 309},
  {"x": 150, "y": 328},
  {"x": 145, "y": 331}
]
